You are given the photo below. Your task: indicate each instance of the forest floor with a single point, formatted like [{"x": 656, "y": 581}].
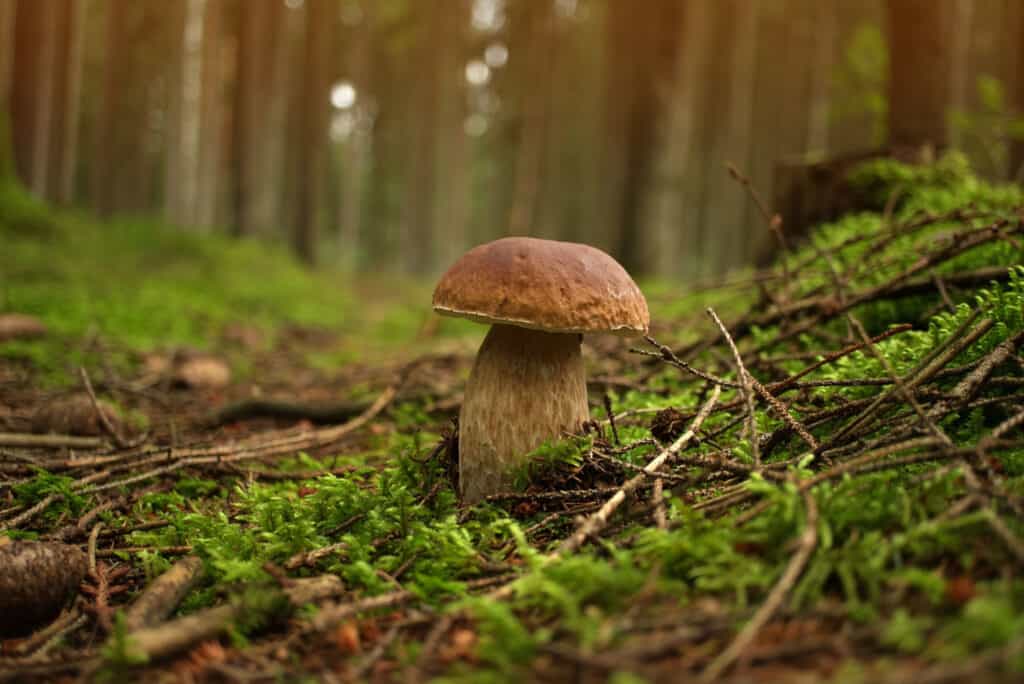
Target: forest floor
[{"x": 812, "y": 473}]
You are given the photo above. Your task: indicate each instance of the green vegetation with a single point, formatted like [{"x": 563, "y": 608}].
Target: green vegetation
[
  {"x": 889, "y": 558},
  {"x": 138, "y": 285}
]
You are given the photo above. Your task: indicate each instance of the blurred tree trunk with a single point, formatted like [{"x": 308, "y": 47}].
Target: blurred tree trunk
[
  {"x": 1017, "y": 146},
  {"x": 960, "y": 62},
  {"x": 919, "y": 72},
  {"x": 672, "y": 201},
  {"x": 8, "y": 10},
  {"x": 822, "y": 76},
  {"x": 726, "y": 200},
  {"x": 32, "y": 92},
  {"x": 312, "y": 136},
  {"x": 175, "y": 154},
  {"x": 66, "y": 100},
  {"x": 421, "y": 186},
  {"x": 535, "y": 94},
  {"x": 451, "y": 163},
  {"x": 106, "y": 142},
  {"x": 214, "y": 68},
  {"x": 643, "y": 40},
  {"x": 356, "y": 150},
  {"x": 7, "y": 19},
  {"x": 259, "y": 38}
]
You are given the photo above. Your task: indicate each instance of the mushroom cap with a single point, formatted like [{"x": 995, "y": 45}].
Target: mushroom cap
[{"x": 562, "y": 287}]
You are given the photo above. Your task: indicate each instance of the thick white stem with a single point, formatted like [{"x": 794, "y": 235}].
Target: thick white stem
[{"x": 527, "y": 387}]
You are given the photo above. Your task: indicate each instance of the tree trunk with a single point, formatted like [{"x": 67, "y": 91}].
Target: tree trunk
[
  {"x": 960, "y": 62},
  {"x": 256, "y": 95},
  {"x": 356, "y": 151},
  {"x": 671, "y": 200},
  {"x": 7, "y": 19},
  {"x": 642, "y": 40},
  {"x": 106, "y": 141},
  {"x": 175, "y": 153},
  {"x": 535, "y": 101},
  {"x": 821, "y": 77},
  {"x": 66, "y": 91},
  {"x": 919, "y": 73},
  {"x": 312, "y": 137},
  {"x": 726, "y": 200},
  {"x": 421, "y": 183},
  {"x": 32, "y": 91},
  {"x": 452, "y": 191},
  {"x": 212, "y": 75},
  {"x": 1017, "y": 147}
]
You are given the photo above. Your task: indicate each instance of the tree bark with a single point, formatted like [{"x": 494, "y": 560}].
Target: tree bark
[
  {"x": 452, "y": 191},
  {"x": 174, "y": 150},
  {"x": 643, "y": 41},
  {"x": 7, "y": 19},
  {"x": 312, "y": 138},
  {"x": 726, "y": 200},
  {"x": 919, "y": 73},
  {"x": 256, "y": 96},
  {"x": 356, "y": 151},
  {"x": 105, "y": 143},
  {"x": 213, "y": 72},
  {"x": 1017, "y": 147},
  {"x": 672, "y": 201},
  {"x": 536, "y": 114},
  {"x": 66, "y": 100},
  {"x": 32, "y": 92},
  {"x": 421, "y": 184}
]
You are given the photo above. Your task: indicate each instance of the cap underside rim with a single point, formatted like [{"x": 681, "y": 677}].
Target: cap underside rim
[{"x": 622, "y": 331}]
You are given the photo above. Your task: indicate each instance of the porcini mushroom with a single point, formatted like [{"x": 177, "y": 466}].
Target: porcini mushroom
[{"x": 528, "y": 383}]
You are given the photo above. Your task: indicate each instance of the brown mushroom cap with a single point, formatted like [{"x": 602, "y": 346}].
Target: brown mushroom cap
[{"x": 545, "y": 285}]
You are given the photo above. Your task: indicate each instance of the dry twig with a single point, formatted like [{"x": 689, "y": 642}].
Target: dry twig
[{"x": 743, "y": 640}]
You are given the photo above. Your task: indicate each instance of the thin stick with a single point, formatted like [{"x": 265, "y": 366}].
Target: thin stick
[
  {"x": 31, "y": 441},
  {"x": 101, "y": 415},
  {"x": 739, "y": 645},
  {"x": 748, "y": 394},
  {"x": 597, "y": 521},
  {"x": 658, "y": 499},
  {"x": 163, "y": 595},
  {"x": 94, "y": 536},
  {"x": 904, "y": 390}
]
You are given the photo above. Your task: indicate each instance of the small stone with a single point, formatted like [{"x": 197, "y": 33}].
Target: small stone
[
  {"x": 203, "y": 372},
  {"x": 36, "y": 581}
]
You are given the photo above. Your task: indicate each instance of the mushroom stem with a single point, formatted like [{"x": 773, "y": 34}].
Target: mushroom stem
[{"x": 527, "y": 387}]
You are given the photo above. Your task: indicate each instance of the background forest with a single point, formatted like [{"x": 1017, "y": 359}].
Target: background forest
[
  {"x": 393, "y": 134},
  {"x": 230, "y": 439}
]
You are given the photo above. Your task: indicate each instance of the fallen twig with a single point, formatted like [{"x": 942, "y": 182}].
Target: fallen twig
[
  {"x": 746, "y": 385},
  {"x": 33, "y": 441},
  {"x": 598, "y": 520},
  {"x": 164, "y": 593},
  {"x": 736, "y": 649}
]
